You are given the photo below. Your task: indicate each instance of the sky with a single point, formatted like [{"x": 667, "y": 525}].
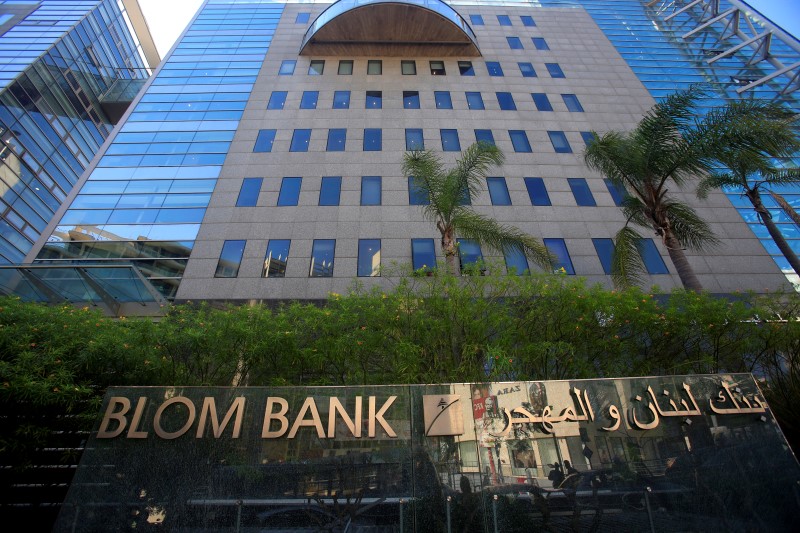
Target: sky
[{"x": 167, "y": 18}]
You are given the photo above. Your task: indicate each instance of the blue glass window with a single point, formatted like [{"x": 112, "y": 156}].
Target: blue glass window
[
  {"x": 275, "y": 259},
  {"x": 581, "y": 192},
  {"x": 516, "y": 262},
  {"x": 322, "y": 254},
  {"x": 416, "y": 196},
  {"x": 230, "y": 258},
  {"x": 373, "y": 140},
  {"x": 476, "y": 20},
  {"x": 537, "y": 192},
  {"x": 437, "y": 68},
  {"x": 465, "y": 68},
  {"x": 469, "y": 253},
  {"x": 374, "y": 100},
  {"x": 374, "y": 67},
  {"x": 414, "y": 139},
  {"x": 302, "y": 18},
  {"x": 341, "y": 100},
  {"x": 558, "y": 248},
  {"x": 330, "y": 190},
  {"x": 498, "y": 191},
  {"x": 287, "y": 67},
  {"x": 484, "y": 136},
  {"x": 248, "y": 193},
  {"x": 504, "y": 20},
  {"x": 494, "y": 68},
  {"x": 369, "y": 257},
  {"x": 652, "y": 259},
  {"x": 443, "y": 100},
  {"x": 587, "y": 137},
  {"x": 345, "y": 67},
  {"x": 541, "y": 102},
  {"x": 290, "y": 191},
  {"x": 572, "y": 102},
  {"x": 554, "y": 69},
  {"x": 605, "y": 252},
  {"x": 527, "y": 70},
  {"x": 450, "y": 141},
  {"x": 337, "y": 138},
  {"x": 560, "y": 142},
  {"x": 370, "y": 190},
  {"x": 423, "y": 254},
  {"x": 618, "y": 194},
  {"x": 316, "y": 67},
  {"x": 300, "y": 140},
  {"x": 514, "y": 43},
  {"x": 276, "y": 100},
  {"x": 527, "y": 20},
  {"x": 519, "y": 139},
  {"x": 539, "y": 43},
  {"x": 474, "y": 100},
  {"x": 506, "y": 101},
  {"x": 309, "y": 100},
  {"x": 264, "y": 141},
  {"x": 410, "y": 99},
  {"x": 408, "y": 67}
]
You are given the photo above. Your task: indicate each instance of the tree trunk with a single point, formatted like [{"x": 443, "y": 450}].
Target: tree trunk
[
  {"x": 681, "y": 264},
  {"x": 449, "y": 248},
  {"x": 786, "y": 207},
  {"x": 774, "y": 232}
]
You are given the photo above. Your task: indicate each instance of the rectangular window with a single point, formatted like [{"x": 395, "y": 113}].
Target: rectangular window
[
  {"x": 375, "y": 67},
  {"x": 374, "y": 100},
  {"x": 309, "y": 100},
  {"x": 504, "y": 20},
  {"x": 476, "y": 20},
  {"x": 541, "y": 102},
  {"x": 341, "y": 100},
  {"x": 369, "y": 257},
  {"x": 322, "y": 253},
  {"x": 316, "y": 67},
  {"x": 465, "y": 68},
  {"x": 498, "y": 191},
  {"x": 330, "y": 190},
  {"x": 516, "y": 262},
  {"x": 563, "y": 263},
  {"x": 514, "y": 43},
  {"x": 450, "y": 141},
  {"x": 248, "y": 193},
  {"x": 290, "y": 191},
  {"x": 475, "y": 101},
  {"x": 345, "y": 67},
  {"x": 527, "y": 20},
  {"x": 539, "y": 43},
  {"x": 572, "y": 103},
  {"x": 437, "y": 68},
  {"x": 373, "y": 140},
  {"x": 287, "y": 67},
  {"x": 618, "y": 194},
  {"x": 416, "y": 195},
  {"x": 554, "y": 69},
  {"x": 300, "y": 140},
  {"x": 506, "y": 101},
  {"x": 414, "y": 139},
  {"x": 651, "y": 257},
  {"x": 443, "y": 100},
  {"x": 559, "y": 141},
  {"x": 519, "y": 139},
  {"x": 527, "y": 70},
  {"x": 605, "y": 252},
  {"x": 485, "y": 136},
  {"x": 337, "y": 138},
  {"x": 276, "y": 100},
  {"x": 588, "y": 137},
  {"x": 581, "y": 192},
  {"x": 370, "y": 190},
  {"x": 230, "y": 258},
  {"x": 423, "y": 254},
  {"x": 537, "y": 192},
  {"x": 469, "y": 254},
  {"x": 302, "y": 18},
  {"x": 264, "y": 141},
  {"x": 408, "y": 67},
  {"x": 410, "y": 99},
  {"x": 275, "y": 259},
  {"x": 494, "y": 68}
]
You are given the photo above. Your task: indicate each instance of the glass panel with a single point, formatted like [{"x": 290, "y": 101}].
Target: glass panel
[
  {"x": 527, "y": 70},
  {"x": 345, "y": 67},
  {"x": 437, "y": 68},
  {"x": 248, "y": 194},
  {"x": 519, "y": 139},
  {"x": 504, "y": 20},
  {"x": 554, "y": 69},
  {"x": 450, "y": 142},
  {"x": 337, "y": 139},
  {"x": 494, "y": 68},
  {"x": 369, "y": 257},
  {"x": 537, "y": 191},
  {"x": 465, "y": 68},
  {"x": 416, "y": 195},
  {"x": 484, "y": 136},
  {"x": 330, "y": 190},
  {"x": 316, "y": 67},
  {"x": 498, "y": 191},
  {"x": 588, "y": 137},
  {"x": 276, "y": 100},
  {"x": 408, "y": 67},
  {"x": 411, "y": 99},
  {"x": 506, "y": 101},
  {"x": 302, "y": 18},
  {"x": 423, "y": 255},
  {"x": 414, "y": 139},
  {"x": 300, "y": 140},
  {"x": 469, "y": 253},
  {"x": 541, "y": 102},
  {"x": 514, "y": 43},
  {"x": 290, "y": 191},
  {"x": 309, "y": 100},
  {"x": 618, "y": 194},
  {"x": 476, "y": 20},
  {"x": 322, "y": 254},
  {"x": 370, "y": 190},
  {"x": 539, "y": 43},
  {"x": 229, "y": 259},
  {"x": 572, "y": 103},
  {"x": 559, "y": 141},
  {"x": 264, "y": 141},
  {"x": 605, "y": 252},
  {"x": 581, "y": 192},
  {"x": 651, "y": 257},
  {"x": 373, "y": 140},
  {"x": 563, "y": 263},
  {"x": 275, "y": 259},
  {"x": 287, "y": 67},
  {"x": 374, "y": 100},
  {"x": 527, "y": 20},
  {"x": 516, "y": 262},
  {"x": 443, "y": 100},
  {"x": 341, "y": 100},
  {"x": 374, "y": 66}
]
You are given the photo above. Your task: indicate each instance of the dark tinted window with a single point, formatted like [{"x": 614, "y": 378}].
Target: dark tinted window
[
  {"x": 290, "y": 191},
  {"x": 411, "y": 99},
  {"x": 264, "y": 141},
  {"x": 423, "y": 254},
  {"x": 369, "y": 257},
  {"x": 230, "y": 258},
  {"x": 337, "y": 138},
  {"x": 275, "y": 258},
  {"x": 248, "y": 194},
  {"x": 322, "y": 254},
  {"x": 560, "y": 142},
  {"x": 537, "y": 191},
  {"x": 276, "y": 100},
  {"x": 330, "y": 190},
  {"x": 541, "y": 102},
  {"x": 581, "y": 192}
]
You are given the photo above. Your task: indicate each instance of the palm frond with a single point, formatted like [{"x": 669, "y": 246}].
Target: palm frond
[
  {"x": 473, "y": 165},
  {"x": 717, "y": 181},
  {"x": 627, "y": 266},
  {"x": 691, "y": 231},
  {"x": 635, "y": 211},
  {"x": 612, "y": 155},
  {"x": 783, "y": 176},
  {"x": 429, "y": 177}
]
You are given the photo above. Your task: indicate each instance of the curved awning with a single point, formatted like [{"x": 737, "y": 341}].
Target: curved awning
[{"x": 390, "y": 28}]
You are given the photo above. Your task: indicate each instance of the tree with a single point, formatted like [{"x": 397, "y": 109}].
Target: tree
[
  {"x": 753, "y": 136},
  {"x": 786, "y": 206},
  {"x": 667, "y": 145},
  {"x": 448, "y": 191}
]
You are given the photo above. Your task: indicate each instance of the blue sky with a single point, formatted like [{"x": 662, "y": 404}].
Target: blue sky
[{"x": 784, "y": 13}]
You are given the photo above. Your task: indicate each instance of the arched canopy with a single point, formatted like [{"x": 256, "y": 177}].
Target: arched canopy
[{"x": 390, "y": 28}]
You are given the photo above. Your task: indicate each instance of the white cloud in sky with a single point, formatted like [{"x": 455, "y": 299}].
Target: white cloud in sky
[{"x": 167, "y": 19}]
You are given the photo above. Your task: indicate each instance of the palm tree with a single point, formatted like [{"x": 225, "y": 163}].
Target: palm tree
[
  {"x": 754, "y": 134},
  {"x": 786, "y": 206},
  {"x": 667, "y": 146},
  {"x": 448, "y": 191}
]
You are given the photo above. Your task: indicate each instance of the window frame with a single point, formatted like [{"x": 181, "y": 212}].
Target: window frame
[
  {"x": 555, "y": 246},
  {"x": 230, "y": 249},
  {"x": 572, "y": 103},
  {"x": 366, "y": 269},
  {"x": 443, "y": 99},
  {"x": 450, "y": 140},
  {"x": 371, "y": 191},
  {"x": 411, "y": 100},
  {"x": 411, "y": 139},
  {"x": 267, "y": 268},
  {"x": 581, "y": 192},
  {"x": 297, "y": 137},
  {"x": 541, "y": 102},
  {"x": 471, "y": 96},
  {"x": 498, "y": 190},
  {"x": 333, "y": 134},
  {"x": 527, "y": 73},
  {"x": 374, "y": 65},
  {"x": 373, "y": 136},
  {"x": 376, "y": 97},
  {"x": 466, "y": 68},
  {"x": 265, "y": 140},
  {"x": 522, "y": 137},
  {"x": 287, "y": 67},
  {"x": 330, "y": 191},
  {"x": 340, "y": 94},
  {"x": 315, "y": 253},
  {"x": 416, "y": 259},
  {"x": 494, "y": 69},
  {"x": 289, "y": 193},
  {"x": 308, "y": 104},
  {"x": 277, "y": 100},
  {"x": 406, "y": 63},
  {"x": 249, "y": 192},
  {"x": 559, "y": 141},
  {"x": 316, "y": 67},
  {"x": 537, "y": 191},
  {"x": 345, "y": 63},
  {"x": 436, "y": 70}
]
